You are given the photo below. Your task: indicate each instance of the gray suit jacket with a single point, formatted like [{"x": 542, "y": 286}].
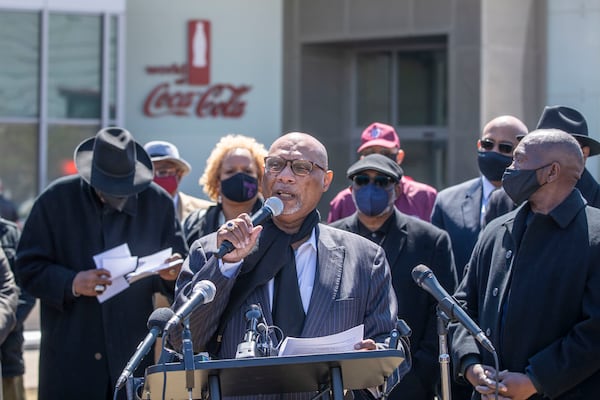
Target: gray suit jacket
[
  {"x": 457, "y": 210},
  {"x": 352, "y": 286}
]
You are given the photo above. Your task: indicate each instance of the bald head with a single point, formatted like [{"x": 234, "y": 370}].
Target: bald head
[
  {"x": 545, "y": 146},
  {"x": 509, "y": 125},
  {"x": 302, "y": 143}
]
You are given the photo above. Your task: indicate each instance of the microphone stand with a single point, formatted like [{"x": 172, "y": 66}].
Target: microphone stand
[
  {"x": 444, "y": 357},
  {"x": 188, "y": 357}
]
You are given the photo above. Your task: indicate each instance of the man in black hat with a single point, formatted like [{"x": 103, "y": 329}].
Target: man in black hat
[
  {"x": 86, "y": 344},
  {"x": 407, "y": 242},
  {"x": 571, "y": 121}
]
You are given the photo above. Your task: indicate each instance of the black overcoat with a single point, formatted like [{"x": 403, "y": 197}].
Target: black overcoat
[
  {"x": 85, "y": 344},
  {"x": 534, "y": 292}
]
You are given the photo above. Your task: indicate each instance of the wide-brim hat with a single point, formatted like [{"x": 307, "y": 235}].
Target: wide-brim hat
[
  {"x": 571, "y": 121},
  {"x": 160, "y": 150},
  {"x": 376, "y": 162},
  {"x": 114, "y": 163}
]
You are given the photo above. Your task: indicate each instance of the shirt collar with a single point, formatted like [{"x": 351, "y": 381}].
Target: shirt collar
[{"x": 488, "y": 187}]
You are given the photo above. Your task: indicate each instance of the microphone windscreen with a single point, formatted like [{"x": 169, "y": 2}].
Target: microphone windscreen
[
  {"x": 275, "y": 204},
  {"x": 159, "y": 318},
  {"x": 419, "y": 273}
]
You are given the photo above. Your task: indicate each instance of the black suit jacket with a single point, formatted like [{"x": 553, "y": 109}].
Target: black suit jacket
[
  {"x": 457, "y": 210},
  {"x": 408, "y": 243}
]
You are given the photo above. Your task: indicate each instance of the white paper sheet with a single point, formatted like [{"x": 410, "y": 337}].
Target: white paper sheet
[
  {"x": 151, "y": 264},
  {"x": 337, "y": 343}
]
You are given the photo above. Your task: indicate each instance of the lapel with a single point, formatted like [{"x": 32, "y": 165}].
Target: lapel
[
  {"x": 395, "y": 239},
  {"x": 330, "y": 259},
  {"x": 471, "y": 205}
]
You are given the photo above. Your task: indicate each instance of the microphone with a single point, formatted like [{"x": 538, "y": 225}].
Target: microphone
[
  {"x": 156, "y": 322},
  {"x": 202, "y": 293},
  {"x": 425, "y": 278},
  {"x": 273, "y": 207},
  {"x": 247, "y": 349}
]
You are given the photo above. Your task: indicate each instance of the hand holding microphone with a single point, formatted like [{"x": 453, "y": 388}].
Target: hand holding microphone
[{"x": 237, "y": 237}]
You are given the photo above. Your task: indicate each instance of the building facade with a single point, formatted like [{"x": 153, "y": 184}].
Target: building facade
[{"x": 190, "y": 72}]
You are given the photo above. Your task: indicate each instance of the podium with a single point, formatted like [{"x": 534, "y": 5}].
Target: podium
[{"x": 270, "y": 375}]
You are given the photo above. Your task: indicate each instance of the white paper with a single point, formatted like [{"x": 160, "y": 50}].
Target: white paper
[
  {"x": 119, "y": 262},
  {"x": 151, "y": 264},
  {"x": 336, "y": 343},
  {"x": 117, "y": 286}
]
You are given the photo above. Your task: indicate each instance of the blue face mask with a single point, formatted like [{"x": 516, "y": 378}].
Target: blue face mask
[{"x": 372, "y": 200}]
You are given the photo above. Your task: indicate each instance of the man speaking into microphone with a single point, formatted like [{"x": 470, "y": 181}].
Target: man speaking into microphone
[{"x": 309, "y": 279}]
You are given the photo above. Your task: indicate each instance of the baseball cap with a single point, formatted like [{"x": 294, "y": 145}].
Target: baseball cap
[{"x": 378, "y": 134}]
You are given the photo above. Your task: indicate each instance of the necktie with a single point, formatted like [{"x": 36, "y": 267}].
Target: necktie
[{"x": 288, "y": 313}]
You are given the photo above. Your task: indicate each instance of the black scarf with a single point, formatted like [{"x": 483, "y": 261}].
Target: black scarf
[{"x": 260, "y": 266}]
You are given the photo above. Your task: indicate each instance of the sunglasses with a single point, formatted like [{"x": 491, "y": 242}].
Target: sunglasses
[
  {"x": 378, "y": 180},
  {"x": 299, "y": 167},
  {"x": 488, "y": 145}
]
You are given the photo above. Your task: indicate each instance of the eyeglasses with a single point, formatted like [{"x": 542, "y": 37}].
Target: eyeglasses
[
  {"x": 378, "y": 180},
  {"x": 488, "y": 145},
  {"x": 299, "y": 167},
  {"x": 165, "y": 172}
]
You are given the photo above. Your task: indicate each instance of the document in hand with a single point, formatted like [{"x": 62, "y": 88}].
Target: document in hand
[
  {"x": 336, "y": 343},
  {"x": 121, "y": 264}
]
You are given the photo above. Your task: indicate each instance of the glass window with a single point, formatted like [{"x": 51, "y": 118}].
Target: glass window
[
  {"x": 19, "y": 161},
  {"x": 19, "y": 65},
  {"x": 62, "y": 141},
  {"x": 74, "y": 66},
  {"x": 421, "y": 88},
  {"x": 373, "y": 87}
]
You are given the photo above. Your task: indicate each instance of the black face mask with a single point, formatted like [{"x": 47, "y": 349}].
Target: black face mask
[
  {"x": 520, "y": 184},
  {"x": 240, "y": 187},
  {"x": 492, "y": 164},
  {"x": 116, "y": 202}
]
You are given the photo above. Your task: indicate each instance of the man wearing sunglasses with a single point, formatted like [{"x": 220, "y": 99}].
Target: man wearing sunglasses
[
  {"x": 460, "y": 209},
  {"x": 407, "y": 242},
  {"x": 571, "y": 121},
  {"x": 310, "y": 279},
  {"x": 415, "y": 198}
]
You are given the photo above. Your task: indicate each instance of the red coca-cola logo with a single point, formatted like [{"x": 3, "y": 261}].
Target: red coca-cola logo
[
  {"x": 191, "y": 93},
  {"x": 220, "y": 100}
]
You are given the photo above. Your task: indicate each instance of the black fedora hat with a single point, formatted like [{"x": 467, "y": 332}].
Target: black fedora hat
[
  {"x": 114, "y": 163},
  {"x": 571, "y": 121}
]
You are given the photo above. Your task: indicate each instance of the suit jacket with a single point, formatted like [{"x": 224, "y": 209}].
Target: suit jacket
[
  {"x": 352, "y": 286},
  {"x": 457, "y": 210},
  {"x": 536, "y": 298},
  {"x": 408, "y": 243}
]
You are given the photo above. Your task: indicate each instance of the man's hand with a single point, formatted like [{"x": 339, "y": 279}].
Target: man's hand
[
  {"x": 482, "y": 377},
  {"x": 171, "y": 274},
  {"x": 242, "y": 235},
  {"x": 85, "y": 282},
  {"x": 518, "y": 385},
  {"x": 365, "y": 344}
]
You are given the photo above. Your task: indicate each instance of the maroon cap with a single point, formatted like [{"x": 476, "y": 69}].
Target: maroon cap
[{"x": 378, "y": 134}]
